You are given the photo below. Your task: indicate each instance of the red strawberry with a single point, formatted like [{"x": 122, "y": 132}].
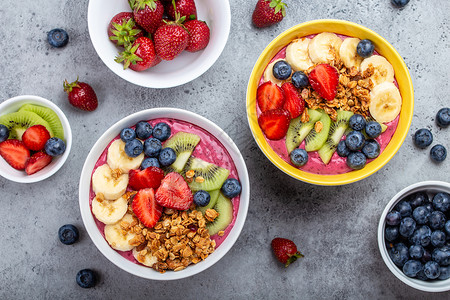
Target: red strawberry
[
  {"x": 146, "y": 209},
  {"x": 171, "y": 39},
  {"x": 15, "y": 153},
  {"x": 198, "y": 35},
  {"x": 81, "y": 95},
  {"x": 285, "y": 250},
  {"x": 268, "y": 12},
  {"x": 174, "y": 192},
  {"x": 35, "y": 137},
  {"x": 324, "y": 79},
  {"x": 140, "y": 56},
  {"x": 148, "y": 178},
  {"x": 186, "y": 8},
  {"x": 269, "y": 96},
  {"x": 294, "y": 103},
  {"x": 37, "y": 162},
  {"x": 148, "y": 14},
  {"x": 274, "y": 123},
  {"x": 122, "y": 29}
]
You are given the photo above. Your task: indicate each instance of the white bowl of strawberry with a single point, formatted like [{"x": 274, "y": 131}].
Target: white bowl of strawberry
[
  {"x": 164, "y": 193},
  {"x": 159, "y": 43}
]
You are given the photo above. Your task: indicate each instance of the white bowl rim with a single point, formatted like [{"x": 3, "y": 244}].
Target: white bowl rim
[
  {"x": 427, "y": 286},
  {"x": 84, "y": 188},
  {"x": 67, "y": 136}
]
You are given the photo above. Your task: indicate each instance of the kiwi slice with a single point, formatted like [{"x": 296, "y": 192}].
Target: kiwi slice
[
  {"x": 48, "y": 115},
  {"x": 207, "y": 176},
  {"x": 18, "y": 122},
  {"x": 212, "y": 202},
  {"x": 298, "y": 131},
  {"x": 183, "y": 144},
  {"x": 225, "y": 209},
  {"x": 337, "y": 130},
  {"x": 315, "y": 140}
]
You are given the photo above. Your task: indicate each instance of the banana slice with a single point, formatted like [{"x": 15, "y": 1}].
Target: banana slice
[
  {"x": 348, "y": 53},
  {"x": 117, "y": 237},
  {"x": 108, "y": 182},
  {"x": 324, "y": 48},
  {"x": 268, "y": 74},
  {"x": 383, "y": 70},
  {"x": 385, "y": 102},
  {"x": 297, "y": 54},
  {"x": 109, "y": 211},
  {"x": 118, "y": 159},
  {"x": 147, "y": 259}
]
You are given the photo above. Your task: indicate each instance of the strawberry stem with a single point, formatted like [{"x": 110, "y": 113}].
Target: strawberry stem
[
  {"x": 69, "y": 86},
  {"x": 293, "y": 258},
  {"x": 128, "y": 56}
]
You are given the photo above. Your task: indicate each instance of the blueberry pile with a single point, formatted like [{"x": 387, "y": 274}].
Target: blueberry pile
[{"x": 417, "y": 235}]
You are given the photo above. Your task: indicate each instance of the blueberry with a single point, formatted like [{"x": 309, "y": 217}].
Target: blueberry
[
  {"x": 438, "y": 153},
  {"x": 356, "y": 160},
  {"x": 399, "y": 254},
  {"x": 281, "y": 70},
  {"x": 418, "y": 199},
  {"x": 421, "y": 275},
  {"x": 412, "y": 267},
  {"x": 342, "y": 149},
  {"x": 231, "y": 188},
  {"x": 391, "y": 233},
  {"x": 416, "y": 251},
  {"x": 426, "y": 256},
  {"x": 143, "y": 130},
  {"x": 445, "y": 273},
  {"x": 365, "y": 48},
  {"x": 432, "y": 270},
  {"x": 134, "y": 148},
  {"x": 443, "y": 117},
  {"x": 436, "y": 220},
  {"x": 57, "y": 37},
  {"x": 299, "y": 157},
  {"x": 438, "y": 238},
  {"x": 357, "y": 122},
  {"x": 373, "y": 129},
  {"x": 152, "y": 147},
  {"x": 407, "y": 227},
  {"x": 161, "y": 131},
  {"x": 447, "y": 227},
  {"x": 68, "y": 234},
  {"x": 299, "y": 79},
  {"x": 421, "y": 236},
  {"x": 404, "y": 208},
  {"x": 4, "y": 133},
  {"x": 167, "y": 156},
  {"x": 202, "y": 198},
  {"x": 86, "y": 278},
  {"x": 423, "y": 138},
  {"x": 371, "y": 149},
  {"x": 421, "y": 215},
  {"x": 355, "y": 140},
  {"x": 127, "y": 134},
  {"x": 399, "y": 3},
  {"x": 441, "y": 201},
  {"x": 55, "y": 146},
  {"x": 441, "y": 256},
  {"x": 150, "y": 162},
  {"x": 393, "y": 218}
]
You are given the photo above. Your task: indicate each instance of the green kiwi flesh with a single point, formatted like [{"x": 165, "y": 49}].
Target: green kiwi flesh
[
  {"x": 48, "y": 115},
  {"x": 225, "y": 209},
  {"x": 18, "y": 122},
  {"x": 212, "y": 202},
  {"x": 315, "y": 140},
  {"x": 183, "y": 144},
  {"x": 337, "y": 130},
  {"x": 214, "y": 176},
  {"x": 298, "y": 131}
]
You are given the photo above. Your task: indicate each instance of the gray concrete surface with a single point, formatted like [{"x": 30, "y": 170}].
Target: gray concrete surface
[{"x": 335, "y": 227}]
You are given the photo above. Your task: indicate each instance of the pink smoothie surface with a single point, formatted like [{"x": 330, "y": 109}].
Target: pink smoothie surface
[
  {"x": 337, "y": 164},
  {"x": 209, "y": 149}
]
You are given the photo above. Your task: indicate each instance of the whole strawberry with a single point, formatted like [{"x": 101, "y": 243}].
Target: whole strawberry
[
  {"x": 268, "y": 12},
  {"x": 81, "y": 95},
  {"x": 186, "y": 8},
  {"x": 140, "y": 56},
  {"x": 285, "y": 250},
  {"x": 171, "y": 39},
  {"x": 198, "y": 35},
  {"x": 122, "y": 29},
  {"x": 148, "y": 14}
]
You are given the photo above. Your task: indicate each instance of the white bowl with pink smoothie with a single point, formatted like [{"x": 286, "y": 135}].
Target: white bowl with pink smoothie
[{"x": 215, "y": 146}]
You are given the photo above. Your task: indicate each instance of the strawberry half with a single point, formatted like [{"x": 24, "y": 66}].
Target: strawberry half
[
  {"x": 274, "y": 123},
  {"x": 148, "y": 178},
  {"x": 269, "y": 96},
  {"x": 15, "y": 153},
  {"x": 145, "y": 207},
  {"x": 174, "y": 192},
  {"x": 285, "y": 251},
  {"x": 294, "y": 103},
  {"x": 324, "y": 79},
  {"x": 37, "y": 162},
  {"x": 35, "y": 137}
]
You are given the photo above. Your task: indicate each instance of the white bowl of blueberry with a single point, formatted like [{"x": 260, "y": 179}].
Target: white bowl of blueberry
[{"x": 414, "y": 236}]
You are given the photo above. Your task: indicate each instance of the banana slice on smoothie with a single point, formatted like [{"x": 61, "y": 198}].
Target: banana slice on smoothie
[
  {"x": 110, "y": 183},
  {"x": 268, "y": 74},
  {"x": 145, "y": 257},
  {"x": 118, "y": 237},
  {"x": 109, "y": 211},
  {"x": 118, "y": 159},
  {"x": 348, "y": 53},
  {"x": 324, "y": 48},
  {"x": 383, "y": 70},
  {"x": 385, "y": 102},
  {"x": 297, "y": 54}
]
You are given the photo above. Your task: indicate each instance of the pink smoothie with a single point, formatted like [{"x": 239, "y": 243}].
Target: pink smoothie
[
  {"x": 337, "y": 164},
  {"x": 209, "y": 149}
]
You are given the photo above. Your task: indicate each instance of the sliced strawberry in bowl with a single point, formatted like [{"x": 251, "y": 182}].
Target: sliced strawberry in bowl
[
  {"x": 294, "y": 103},
  {"x": 35, "y": 137},
  {"x": 324, "y": 79},
  {"x": 174, "y": 192},
  {"x": 37, "y": 162},
  {"x": 148, "y": 178},
  {"x": 274, "y": 123},
  {"x": 269, "y": 96},
  {"x": 15, "y": 153},
  {"x": 145, "y": 207}
]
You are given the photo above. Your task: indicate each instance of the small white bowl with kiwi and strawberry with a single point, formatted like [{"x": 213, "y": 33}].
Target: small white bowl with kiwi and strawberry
[{"x": 35, "y": 139}]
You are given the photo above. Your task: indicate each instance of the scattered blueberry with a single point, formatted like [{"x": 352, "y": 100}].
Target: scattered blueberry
[
  {"x": 412, "y": 267},
  {"x": 342, "y": 149},
  {"x": 365, "y": 48},
  {"x": 371, "y": 149},
  {"x": 421, "y": 236},
  {"x": 127, "y": 134},
  {"x": 407, "y": 227},
  {"x": 391, "y": 233},
  {"x": 445, "y": 273},
  {"x": 356, "y": 160},
  {"x": 418, "y": 199},
  {"x": 404, "y": 208},
  {"x": 441, "y": 201},
  {"x": 150, "y": 162},
  {"x": 231, "y": 188},
  {"x": 299, "y": 79},
  {"x": 438, "y": 153},
  {"x": 167, "y": 156},
  {"x": 393, "y": 218},
  {"x": 399, "y": 254},
  {"x": 134, "y": 148},
  {"x": 423, "y": 138},
  {"x": 373, "y": 129},
  {"x": 436, "y": 220},
  {"x": 86, "y": 278},
  {"x": 161, "y": 131},
  {"x": 281, "y": 70},
  {"x": 447, "y": 227},
  {"x": 55, "y": 146},
  {"x": 421, "y": 215},
  {"x": 416, "y": 251},
  {"x": 438, "y": 238},
  {"x": 68, "y": 234},
  {"x": 357, "y": 122},
  {"x": 443, "y": 117},
  {"x": 432, "y": 270},
  {"x": 4, "y": 133},
  {"x": 152, "y": 147},
  {"x": 399, "y": 3},
  {"x": 355, "y": 140},
  {"x": 202, "y": 198},
  {"x": 57, "y": 37},
  {"x": 299, "y": 157},
  {"x": 143, "y": 130}
]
